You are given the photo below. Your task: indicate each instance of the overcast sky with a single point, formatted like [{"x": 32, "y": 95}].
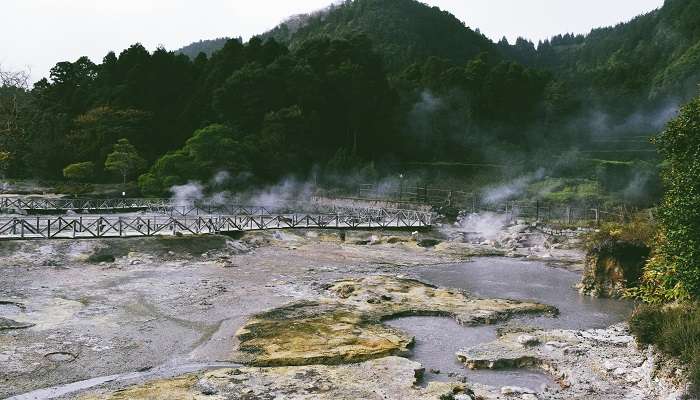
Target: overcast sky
[{"x": 38, "y": 33}]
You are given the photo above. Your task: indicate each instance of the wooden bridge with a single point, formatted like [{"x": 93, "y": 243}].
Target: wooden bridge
[
  {"x": 163, "y": 219},
  {"x": 48, "y": 204}
]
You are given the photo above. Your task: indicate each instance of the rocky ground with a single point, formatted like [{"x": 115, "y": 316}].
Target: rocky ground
[
  {"x": 591, "y": 364},
  {"x": 496, "y": 234},
  {"x": 76, "y": 310}
]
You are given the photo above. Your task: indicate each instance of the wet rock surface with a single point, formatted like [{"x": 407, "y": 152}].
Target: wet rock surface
[
  {"x": 6, "y": 324},
  {"x": 591, "y": 364},
  {"x": 491, "y": 234},
  {"x": 316, "y": 333},
  {"x": 385, "y": 378},
  {"x": 612, "y": 267},
  {"x": 167, "y": 301},
  {"x": 347, "y": 327},
  {"x": 179, "y": 301}
]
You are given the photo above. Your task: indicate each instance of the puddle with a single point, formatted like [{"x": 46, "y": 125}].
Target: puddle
[
  {"x": 529, "y": 280},
  {"x": 438, "y": 339},
  {"x": 61, "y": 356}
]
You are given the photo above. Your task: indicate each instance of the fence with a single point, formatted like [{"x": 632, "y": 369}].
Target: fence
[
  {"x": 549, "y": 213},
  {"x": 73, "y": 227}
]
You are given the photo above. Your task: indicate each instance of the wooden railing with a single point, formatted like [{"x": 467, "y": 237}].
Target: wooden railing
[{"x": 103, "y": 226}]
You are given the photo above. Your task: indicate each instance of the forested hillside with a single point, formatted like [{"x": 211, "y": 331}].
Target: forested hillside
[
  {"x": 208, "y": 47},
  {"x": 365, "y": 87},
  {"x": 651, "y": 57},
  {"x": 404, "y": 31}
]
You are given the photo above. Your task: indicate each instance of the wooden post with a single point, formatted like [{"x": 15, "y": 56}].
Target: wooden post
[{"x": 597, "y": 216}]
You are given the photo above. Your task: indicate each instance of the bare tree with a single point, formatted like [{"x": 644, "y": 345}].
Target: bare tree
[
  {"x": 16, "y": 79},
  {"x": 12, "y": 85}
]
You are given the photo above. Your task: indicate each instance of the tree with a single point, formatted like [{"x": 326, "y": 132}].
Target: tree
[
  {"x": 80, "y": 171},
  {"x": 124, "y": 159},
  {"x": 95, "y": 131},
  {"x": 5, "y": 160},
  {"x": 13, "y": 95},
  {"x": 210, "y": 150},
  {"x": 673, "y": 273}
]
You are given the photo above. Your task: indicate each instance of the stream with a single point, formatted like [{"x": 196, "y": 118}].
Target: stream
[{"x": 438, "y": 339}]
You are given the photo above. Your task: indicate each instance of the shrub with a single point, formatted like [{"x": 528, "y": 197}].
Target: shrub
[
  {"x": 80, "y": 172},
  {"x": 646, "y": 323},
  {"x": 675, "y": 330},
  {"x": 640, "y": 229},
  {"x": 674, "y": 272}
]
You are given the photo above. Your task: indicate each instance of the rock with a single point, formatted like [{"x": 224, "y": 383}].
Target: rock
[
  {"x": 318, "y": 382},
  {"x": 428, "y": 242},
  {"x": 612, "y": 266},
  {"x": 323, "y": 332},
  {"x": 206, "y": 388},
  {"x": 528, "y": 340},
  {"x": 515, "y": 391},
  {"x": 434, "y": 371},
  {"x": 7, "y": 324},
  {"x": 412, "y": 297},
  {"x": 347, "y": 327},
  {"x": 592, "y": 364},
  {"x": 101, "y": 258}
]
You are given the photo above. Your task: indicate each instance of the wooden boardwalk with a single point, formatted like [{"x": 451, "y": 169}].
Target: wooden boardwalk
[
  {"x": 29, "y": 204},
  {"x": 164, "y": 219}
]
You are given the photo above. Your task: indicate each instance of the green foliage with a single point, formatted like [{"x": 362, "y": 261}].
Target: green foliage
[
  {"x": 80, "y": 171},
  {"x": 5, "y": 160},
  {"x": 675, "y": 330},
  {"x": 95, "y": 132},
  {"x": 390, "y": 81},
  {"x": 674, "y": 271},
  {"x": 568, "y": 191},
  {"x": 404, "y": 31},
  {"x": 124, "y": 159},
  {"x": 640, "y": 230},
  {"x": 207, "y": 47},
  {"x": 211, "y": 149},
  {"x": 617, "y": 63}
]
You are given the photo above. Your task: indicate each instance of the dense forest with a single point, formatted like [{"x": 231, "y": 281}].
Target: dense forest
[{"x": 364, "y": 87}]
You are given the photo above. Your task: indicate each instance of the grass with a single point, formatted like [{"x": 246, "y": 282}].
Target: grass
[
  {"x": 675, "y": 330},
  {"x": 640, "y": 229}
]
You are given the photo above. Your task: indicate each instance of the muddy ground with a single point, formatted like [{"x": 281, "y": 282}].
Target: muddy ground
[
  {"x": 166, "y": 300},
  {"x": 76, "y": 310}
]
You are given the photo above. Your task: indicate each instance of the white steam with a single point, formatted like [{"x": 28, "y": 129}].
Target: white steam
[
  {"x": 187, "y": 193},
  {"x": 483, "y": 226},
  {"x": 512, "y": 189}
]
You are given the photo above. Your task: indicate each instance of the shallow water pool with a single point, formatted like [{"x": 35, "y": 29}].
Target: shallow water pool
[{"x": 438, "y": 339}]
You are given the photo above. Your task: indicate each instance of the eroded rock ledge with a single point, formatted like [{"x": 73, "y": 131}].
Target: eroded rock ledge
[
  {"x": 335, "y": 347},
  {"x": 346, "y": 326},
  {"x": 385, "y": 378},
  {"x": 592, "y": 364}
]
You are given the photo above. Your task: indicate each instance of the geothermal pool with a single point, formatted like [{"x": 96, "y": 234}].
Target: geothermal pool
[{"x": 438, "y": 339}]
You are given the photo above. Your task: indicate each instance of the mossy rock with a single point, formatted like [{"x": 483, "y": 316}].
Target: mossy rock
[
  {"x": 309, "y": 333},
  {"x": 348, "y": 328}
]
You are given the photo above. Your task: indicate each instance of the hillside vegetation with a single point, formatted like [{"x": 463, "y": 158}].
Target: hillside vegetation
[{"x": 365, "y": 88}]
